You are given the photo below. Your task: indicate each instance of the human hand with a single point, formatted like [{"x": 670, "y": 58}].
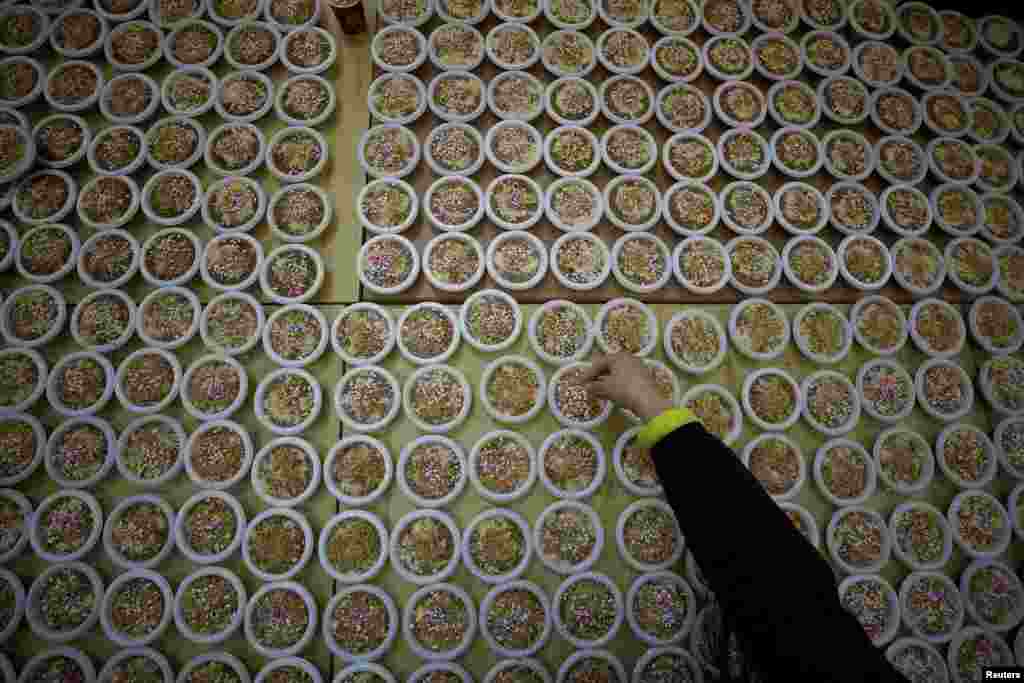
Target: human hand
[{"x": 627, "y": 381}]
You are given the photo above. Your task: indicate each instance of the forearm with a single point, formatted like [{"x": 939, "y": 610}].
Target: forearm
[{"x": 776, "y": 587}]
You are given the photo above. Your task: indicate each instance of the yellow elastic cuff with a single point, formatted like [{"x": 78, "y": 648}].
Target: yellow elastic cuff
[{"x": 663, "y": 425}]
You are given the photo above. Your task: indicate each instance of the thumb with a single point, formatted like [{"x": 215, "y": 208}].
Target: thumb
[
  {"x": 599, "y": 365},
  {"x": 597, "y": 389}
]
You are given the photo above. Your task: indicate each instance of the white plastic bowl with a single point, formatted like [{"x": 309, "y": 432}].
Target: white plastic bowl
[
  {"x": 401, "y": 185},
  {"x": 218, "y": 656},
  {"x": 534, "y": 83},
  {"x": 248, "y": 169},
  {"x": 678, "y": 361},
  {"x": 991, "y": 48},
  {"x": 807, "y": 90},
  {"x": 538, "y": 403},
  {"x": 871, "y": 475},
  {"x": 566, "y": 279},
  {"x": 389, "y": 334},
  {"x": 555, "y": 69},
  {"x": 324, "y": 65},
  {"x": 686, "y": 620},
  {"x": 893, "y": 624},
  {"x": 452, "y": 116},
  {"x": 861, "y": 73},
  {"x": 823, "y": 209},
  {"x": 1004, "y": 531},
  {"x": 624, "y": 280},
  {"x": 1013, "y": 422},
  {"x": 527, "y": 551},
  {"x": 172, "y": 472},
  {"x": 600, "y": 468},
  {"x": 727, "y": 165},
  {"x": 376, "y": 46},
  {"x": 436, "y": 221},
  {"x": 40, "y": 18},
  {"x": 56, "y": 216},
  {"x": 537, "y": 144},
  {"x": 884, "y": 127},
  {"x": 314, "y": 288},
  {"x": 410, "y": 611},
  {"x": 539, "y": 250},
  {"x": 559, "y": 566},
  {"x": 758, "y": 356},
  {"x": 41, "y": 368},
  {"x": 744, "y": 23},
  {"x": 244, "y": 465},
  {"x": 312, "y": 611},
  {"x": 953, "y": 595},
  {"x": 652, "y": 325},
  {"x": 184, "y": 217},
  {"x": 583, "y": 348},
  {"x": 170, "y": 344},
  {"x": 194, "y": 410},
  {"x": 690, "y": 286},
  {"x": 780, "y": 165},
  {"x": 598, "y": 199},
  {"x": 801, "y": 478},
  {"x": 886, "y": 541},
  {"x": 112, "y": 666},
  {"x": 307, "y": 548},
  {"x": 442, "y": 285},
  {"x": 947, "y": 537},
  {"x": 620, "y": 223},
  {"x": 90, "y": 541},
  {"x": 634, "y": 562},
  {"x": 7, "y": 308},
  {"x": 108, "y": 532},
  {"x": 456, "y": 452},
  {"x": 853, "y": 280},
  {"x": 643, "y": 117},
  {"x": 968, "y": 389},
  {"x": 801, "y": 341},
  {"x": 347, "y": 419},
  {"x": 891, "y": 223},
  {"x": 122, "y": 639},
  {"x": 14, "y": 552},
  {"x": 258, "y": 213},
  {"x": 318, "y": 167},
  {"x": 773, "y": 281},
  {"x": 305, "y": 423},
  {"x": 562, "y": 628},
  {"x": 35, "y": 665},
  {"x": 318, "y": 350},
  {"x": 236, "y": 622},
  {"x": 396, "y": 536},
  {"x": 70, "y": 235},
  {"x": 249, "y": 344},
  {"x": 410, "y": 279},
  {"x": 869, "y": 407},
  {"x": 55, "y": 442},
  {"x": 834, "y": 219},
  {"x": 197, "y": 248},
  {"x": 453, "y": 323},
  {"x": 922, "y": 344},
  {"x": 325, "y": 540},
  {"x": 561, "y": 120},
  {"x": 666, "y": 160},
  {"x": 991, "y": 466},
  {"x": 728, "y": 119},
  {"x": 524, "y": 487},
  {"x": 501, "y": 651},
  {"x": 748, "y": 405},
  {"x": 579, "y": 655},
  {"x": 28, "y": 605},
  {"x": 328, "y": 626},
  {"x": 335, "y": 453}
]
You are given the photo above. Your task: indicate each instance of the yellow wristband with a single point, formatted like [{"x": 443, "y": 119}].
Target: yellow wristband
[{"x": 663, "y": 425}]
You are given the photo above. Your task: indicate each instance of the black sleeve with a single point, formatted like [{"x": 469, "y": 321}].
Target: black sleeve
[{"x": 778, "y": 592}]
